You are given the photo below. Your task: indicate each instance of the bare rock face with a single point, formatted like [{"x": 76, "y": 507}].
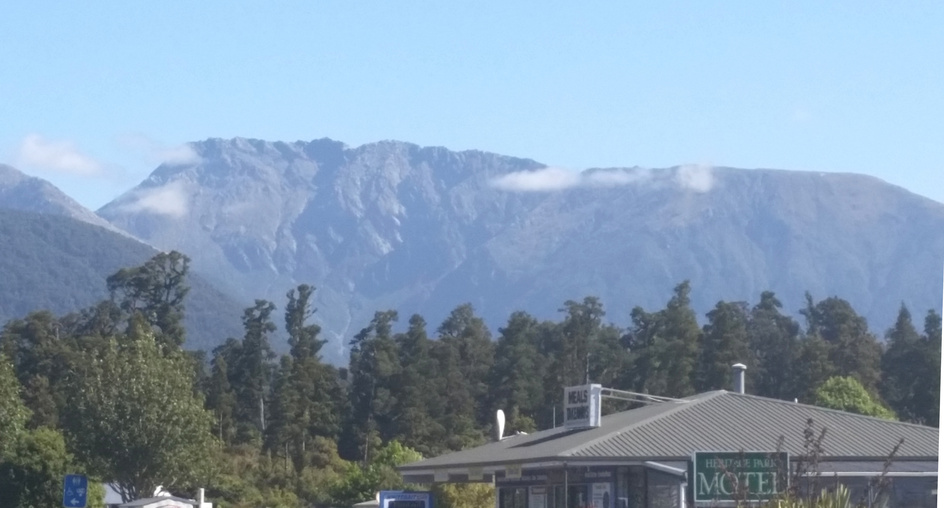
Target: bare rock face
[{"x": 392, "y": 225}]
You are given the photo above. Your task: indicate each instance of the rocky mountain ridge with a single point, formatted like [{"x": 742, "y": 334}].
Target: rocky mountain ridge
[{"x": 424, "y": 229}]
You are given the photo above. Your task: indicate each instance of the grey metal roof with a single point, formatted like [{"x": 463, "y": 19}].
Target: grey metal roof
[{"x": 718, "y": 420}]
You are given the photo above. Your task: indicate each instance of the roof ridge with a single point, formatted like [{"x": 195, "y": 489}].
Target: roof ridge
[
  {"x": 830, "y": 410},
  {"x": 680, "y": 405}
]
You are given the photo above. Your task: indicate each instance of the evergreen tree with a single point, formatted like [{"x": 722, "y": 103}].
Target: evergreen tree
[
  {"x": 813, "y": 368},
  {"x": 457, "y": 407},
  {"x": 665, "y": 347},
  {"x": 415, "y": 392},
  {"x": 608, "y": 357},
  {"x": 306, "y": 393},
  {"x": 374, "y": 368},
  {"x": 220, "y": 397},
  {"x": 774, "y": 342},
  {"x": 929, "y": 398},
  {"x": 852, "y": 349},
  {"x": 724, "y": 343},
  {"x": 156, "y": 290},
  {"x": 251, "y": 370},
  {"x": 467, "y": 334},
  {"x": 578, "y": 335},
  {"x": 902, "y": 367},
  {"x": 517, "y": 373}
]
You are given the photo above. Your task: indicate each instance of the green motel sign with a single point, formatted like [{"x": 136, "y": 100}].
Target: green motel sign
[{"x": 731, "y": 477}]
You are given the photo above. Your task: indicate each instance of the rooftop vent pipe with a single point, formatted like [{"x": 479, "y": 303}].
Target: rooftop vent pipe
[{"x": 738, "y": 371}]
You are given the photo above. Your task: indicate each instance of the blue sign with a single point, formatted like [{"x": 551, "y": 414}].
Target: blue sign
[
  {"x": 405, "y": 499},
  {"x": 75, "y": 491}
]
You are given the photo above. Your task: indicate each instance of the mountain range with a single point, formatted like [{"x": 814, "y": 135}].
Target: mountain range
[{"x": 393, "y": 225}]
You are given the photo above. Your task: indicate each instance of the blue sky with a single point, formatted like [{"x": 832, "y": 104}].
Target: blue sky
[{"x": 96, "y": 94}]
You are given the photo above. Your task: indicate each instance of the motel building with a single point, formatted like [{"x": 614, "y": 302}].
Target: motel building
[{"x": 710, "y": 449}]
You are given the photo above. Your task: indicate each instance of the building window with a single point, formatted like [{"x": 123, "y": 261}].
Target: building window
[
  {"x": 513, "y": 497},
  {"x": 662, "y": 490}
]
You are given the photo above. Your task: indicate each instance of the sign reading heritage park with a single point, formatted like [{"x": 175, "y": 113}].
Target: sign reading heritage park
[
  {"x": 733, "y": 476},
  {"x": 582, "y": 406}
]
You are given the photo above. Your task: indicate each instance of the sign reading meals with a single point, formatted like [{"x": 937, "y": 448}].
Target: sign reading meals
[
  {"x": 582, "y": 406},
  {"x": 739, "y": 476}
]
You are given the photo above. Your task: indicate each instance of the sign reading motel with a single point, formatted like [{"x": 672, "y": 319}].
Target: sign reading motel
[{"x": 729, "y": 477}]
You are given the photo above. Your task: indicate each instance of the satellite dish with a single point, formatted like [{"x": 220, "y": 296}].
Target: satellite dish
[{"x": 499, "y": 424}]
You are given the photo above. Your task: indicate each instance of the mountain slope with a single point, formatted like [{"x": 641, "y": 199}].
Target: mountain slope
[
  {"x": 420, "y": 229},
  {"x": 19, "y": 191},
  {"x": 60, "y": 264}
]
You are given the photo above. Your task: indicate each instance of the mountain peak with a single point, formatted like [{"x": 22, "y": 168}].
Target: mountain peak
[{"x": 19, "y": 191}]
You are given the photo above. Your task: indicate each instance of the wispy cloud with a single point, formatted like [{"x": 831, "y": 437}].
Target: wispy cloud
[
  {"x": 64, "y": 157},
  {"x": 170, "y": 200},
  {"x": 547, "y": 179},
  {"x": 157, "y": 153},
  {"x": 695, "y": 177}
]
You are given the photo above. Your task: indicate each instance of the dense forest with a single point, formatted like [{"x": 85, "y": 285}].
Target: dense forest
[{"x": 113, "y": 392}]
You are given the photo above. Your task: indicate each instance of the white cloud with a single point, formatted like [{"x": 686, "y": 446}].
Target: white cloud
[
  {"x": 693, "y": 177},
  {"x": 181, "y": 154},
  {"x": 547, "y": 179},
  {"x": 157, "y": 153},
  {"x": 170, "y": 200},
  {"x": 556, "y": 179},
  {"x": 696, "y": 177},
  {"x": 57, "y": 156}
]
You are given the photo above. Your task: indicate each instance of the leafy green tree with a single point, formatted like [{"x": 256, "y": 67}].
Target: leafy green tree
[
  {"x": 464, "y": 495},
  {"x": 847, "y": 394},
  {"x": 156, "y": 290},
  {"x": 31, "y": 473},
  {"x": 41, "y": 352},
  {"x": 774, "y": 342},
  {"x": 13, "y": 413},
  {"x": 359, "y": 483},
  {"x": 724, "y": 343},
  {"x": 134, "y": 417}
]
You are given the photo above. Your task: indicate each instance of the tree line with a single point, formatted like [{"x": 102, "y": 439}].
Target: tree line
[{"x": 112, "y": 391}]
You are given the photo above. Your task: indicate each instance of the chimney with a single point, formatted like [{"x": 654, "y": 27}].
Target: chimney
[{"x": 738, "y": 371}]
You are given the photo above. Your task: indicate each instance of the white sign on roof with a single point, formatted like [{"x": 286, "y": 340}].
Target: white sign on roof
[{"x": 582, "y": 405}]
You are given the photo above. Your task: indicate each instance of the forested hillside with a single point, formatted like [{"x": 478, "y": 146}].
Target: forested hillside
[
  {"x": 57, "y": 263},
  {"x": 113, "y": 390}
]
